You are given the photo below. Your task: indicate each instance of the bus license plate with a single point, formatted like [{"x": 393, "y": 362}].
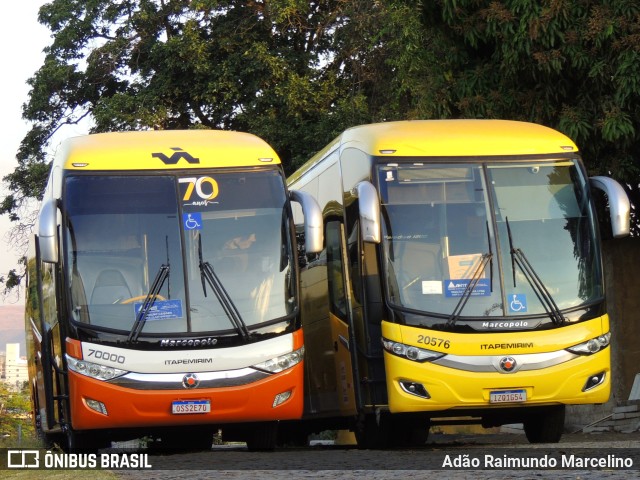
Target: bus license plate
[
  {"x": 190, "y": 406},
  {"x": 507, "y": 396}
]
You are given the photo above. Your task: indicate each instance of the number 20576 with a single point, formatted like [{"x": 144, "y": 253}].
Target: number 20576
[{"x": 433, "y": 341}]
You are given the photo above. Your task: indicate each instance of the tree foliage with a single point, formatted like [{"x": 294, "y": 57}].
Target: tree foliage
[{"x": 297, "y": 73}]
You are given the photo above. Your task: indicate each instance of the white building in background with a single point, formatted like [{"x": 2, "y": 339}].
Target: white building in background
[{"x": 15, "y": 372}]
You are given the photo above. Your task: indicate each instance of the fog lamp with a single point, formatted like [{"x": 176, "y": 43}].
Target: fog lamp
[
  {"x": 96, "y": 406},
  {"x": 281, "y": 398}
]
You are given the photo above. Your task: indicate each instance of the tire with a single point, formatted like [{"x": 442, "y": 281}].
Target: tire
[
  {"x": 545, "y": 426},
  {"x": 409, "y": 431},
  {"x": 371, "y": 432},
  {"x": 262, "y": 437},
  {"x": 84, "y": 442},
  {"x": 185, "y": 441},
  {"x": 292, "y": 436},
  {"x": 391, "y": 431}
]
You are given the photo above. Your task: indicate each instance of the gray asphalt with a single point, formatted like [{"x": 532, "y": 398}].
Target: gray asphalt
[{"x": 435, "y": 460}]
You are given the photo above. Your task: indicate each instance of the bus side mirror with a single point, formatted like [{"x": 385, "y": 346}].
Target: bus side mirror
[
  {"x": 313, "y": 237},
  {"x": 618, "y": 204},
  {"x": 369, "y": 212},
  {"x": 48, "y": 231}
]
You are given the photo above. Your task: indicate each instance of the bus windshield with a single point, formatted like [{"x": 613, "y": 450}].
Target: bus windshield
[
  {"x": 129, "y": 237},
  {"x": 489, "y": 240}
]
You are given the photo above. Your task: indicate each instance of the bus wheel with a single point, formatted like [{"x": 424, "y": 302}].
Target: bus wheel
[
  {"x": 84, "y": 442},
  {"x": 292, "y": 436},
  {"x": 545, "y": 426},
  {"x": 262, "y": 436},
  {"x": 184, "y": 441},
  {"x": 409, "y": 431},
  {"x": 372, "y": 432}
]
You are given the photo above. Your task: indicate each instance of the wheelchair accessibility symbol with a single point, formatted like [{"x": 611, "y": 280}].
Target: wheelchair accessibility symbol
[
  {"x": 517, "y": 303},
  {"x": 192, "y": 221}
]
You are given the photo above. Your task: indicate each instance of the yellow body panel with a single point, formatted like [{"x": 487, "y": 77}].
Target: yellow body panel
[
  {"x": 496, "y": 343},
  {"x": 146, "y": 150},
  {"x": 452, "y": 389},
  {"x": 458, "y": 138},
  {"x": 448, "y": 138}
]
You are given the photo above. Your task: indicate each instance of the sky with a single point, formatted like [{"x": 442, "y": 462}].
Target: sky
[{"x": 23, "y": 40}]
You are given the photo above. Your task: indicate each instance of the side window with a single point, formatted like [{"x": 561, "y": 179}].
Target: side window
[
  {"x": 49, "y": 304},
  {"x": 353, "y": 243},
  {"x": 337, "y": 297},
  {"x": 32, "y": 299}
]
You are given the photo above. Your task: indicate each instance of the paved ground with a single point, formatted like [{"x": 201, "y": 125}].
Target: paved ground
[{"x": 430, "y": 461}]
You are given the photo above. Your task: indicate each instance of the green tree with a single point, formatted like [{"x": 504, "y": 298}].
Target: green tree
[
  {"x": 297, "y": 73},
  {"x": 15, "y": 415},
  {"x": 571, "y": 65}
]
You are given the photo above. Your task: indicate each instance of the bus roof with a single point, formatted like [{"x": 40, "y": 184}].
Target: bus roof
[
  {"x": 457, "y": 138},
  {"x": 164, "y": 149}
]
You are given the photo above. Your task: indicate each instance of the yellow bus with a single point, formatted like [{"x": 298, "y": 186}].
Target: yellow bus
[
  {"x": 162, "y": 291},
  {"x": 460, "y": 280}
]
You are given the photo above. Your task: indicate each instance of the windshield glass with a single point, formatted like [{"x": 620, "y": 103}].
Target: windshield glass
[
  {"x": 124, "y": 232},
  {"x": 443, "y": 227}
]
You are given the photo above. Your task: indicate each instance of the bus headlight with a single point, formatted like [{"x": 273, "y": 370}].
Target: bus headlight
[
  {"x": 592, "y": 346},
  {"x": 410, "y": 352},
  {"x": 93, "y": 370},
  {"x": 283, "y": 362}
]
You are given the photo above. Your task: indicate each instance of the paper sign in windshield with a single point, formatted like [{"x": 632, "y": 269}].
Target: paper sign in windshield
[
  {"x": 456, "y": 288},
  {"x": 162, "y": 310}
]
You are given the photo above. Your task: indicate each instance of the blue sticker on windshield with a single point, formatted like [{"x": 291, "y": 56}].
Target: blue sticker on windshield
[
  {"x": 456, "y": 288},
  {"x": 161, "y": 310},
  {"x": 192, "y": 221},
  {"x": 517, "y": 303}
]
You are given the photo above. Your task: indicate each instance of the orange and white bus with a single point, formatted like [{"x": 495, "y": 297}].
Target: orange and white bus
[
  {"x": 460, "y": 281},
  {"x": 162, "y": 291}
]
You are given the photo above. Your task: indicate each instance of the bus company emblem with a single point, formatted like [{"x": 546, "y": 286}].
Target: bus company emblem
[
  {"x": 190, "y": 380},
  {"x": 508, "y": 364},
  {"x": 178, "y": 155}
]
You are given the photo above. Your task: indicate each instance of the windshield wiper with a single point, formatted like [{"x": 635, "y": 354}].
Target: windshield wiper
[
  {"x": 519, "y": 258},
  {"x": 141, "y": 318},
  {"x": 475, "y": 278},
  {"x": 208, "y": 275},
  {"x": 466, "y": 295}
]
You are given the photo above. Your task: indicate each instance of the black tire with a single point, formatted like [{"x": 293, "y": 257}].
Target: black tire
[
  {"x": 262, "y": 437},
  {"x": 409, "y": 431},
  {"x": 292, "y": 436},
  {"x": 184, "y": 441},
  {"x": 545, "y": 426},
  {"x": 372, "y": 432},
  {"x": 391, "y": 430},
  {"x": 84, "y": 442}
]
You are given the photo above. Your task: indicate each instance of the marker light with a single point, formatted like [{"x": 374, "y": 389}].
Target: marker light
[
  {"x": 96, "y": 405},
  {"x": 93, "y": 370},
  {"x": 281, "y": 398},
  {"x": 409, "y": 352},
  {"x": 414, "y": 388},
  {"x": 283, "y": 362},
  {"x": 592, "y": 346},
  {"x": 593, "y": 381}
]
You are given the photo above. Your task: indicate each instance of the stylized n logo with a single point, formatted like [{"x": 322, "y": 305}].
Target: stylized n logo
[{"x": 175, "y": 157}]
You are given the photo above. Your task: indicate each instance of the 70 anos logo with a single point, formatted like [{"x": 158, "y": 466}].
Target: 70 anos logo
[{"x": 205, "y": 188}]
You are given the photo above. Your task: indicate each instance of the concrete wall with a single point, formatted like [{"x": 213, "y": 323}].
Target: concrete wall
[{"x": 622, "y": 277}]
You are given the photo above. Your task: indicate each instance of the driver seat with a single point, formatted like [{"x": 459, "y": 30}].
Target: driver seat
[{"x": 110, "y": 287}]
